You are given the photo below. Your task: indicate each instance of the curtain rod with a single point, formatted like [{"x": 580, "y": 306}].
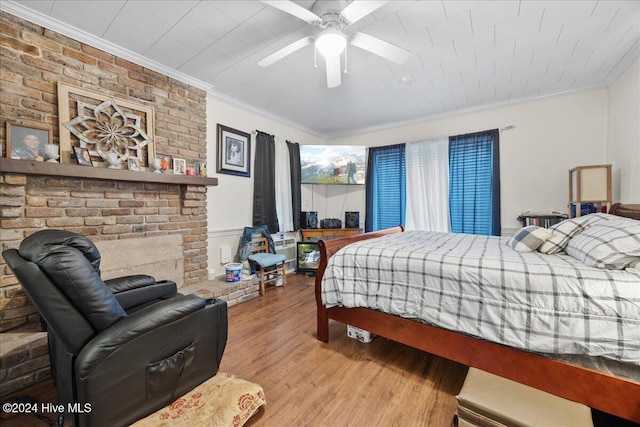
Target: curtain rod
[
  {"x": 275, "y": 138},
  {"x": 278, "y": 139},
  {"x": 502, "y": 129}
]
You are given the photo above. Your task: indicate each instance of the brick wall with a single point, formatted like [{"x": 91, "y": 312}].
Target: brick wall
[{"x": 32, "y": 61}]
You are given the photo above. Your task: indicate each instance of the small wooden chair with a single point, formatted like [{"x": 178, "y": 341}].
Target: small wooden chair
[{"x": 271, "y": 266}]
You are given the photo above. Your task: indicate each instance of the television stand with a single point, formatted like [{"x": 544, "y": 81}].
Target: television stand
[{"x": 328, "y": 233}]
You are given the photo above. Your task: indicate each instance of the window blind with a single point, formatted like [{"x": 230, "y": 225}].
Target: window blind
[
  {"x": 385, "y": 187},
  {"x": 474, "y": 183}
]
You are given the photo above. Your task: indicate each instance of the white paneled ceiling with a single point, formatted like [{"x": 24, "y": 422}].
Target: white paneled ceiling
[{"x": 464, "y": 54}]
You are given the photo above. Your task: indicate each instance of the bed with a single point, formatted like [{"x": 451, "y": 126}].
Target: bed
[{"x": 602, "y": 371}]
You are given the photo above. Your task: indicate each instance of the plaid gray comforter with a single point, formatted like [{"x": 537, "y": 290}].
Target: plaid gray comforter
[{"x": 480, "y": 286}]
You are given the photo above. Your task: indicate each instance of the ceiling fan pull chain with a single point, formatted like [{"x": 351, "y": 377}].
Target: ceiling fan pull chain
[
  {"x": 345, "y": 59},
  {"x": 315, "y": 58}
]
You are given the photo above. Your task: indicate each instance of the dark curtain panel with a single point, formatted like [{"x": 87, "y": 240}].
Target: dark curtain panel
[
  {"x": 495, "y": 194},
  {"x": 264, "y": 183},
  {"x": 368, "y": 188},
  {"x": 385, "y": 187},
  {"x": 296, "y": 191},
  {"x": 474, "y": 183}
]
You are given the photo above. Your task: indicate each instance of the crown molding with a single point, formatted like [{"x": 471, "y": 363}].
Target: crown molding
[
  {"x": 627, "y": 59},
  {"x": 53, "y": 24}
]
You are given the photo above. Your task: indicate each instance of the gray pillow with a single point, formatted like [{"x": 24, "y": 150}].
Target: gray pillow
[{"x": 529, "y": 238}]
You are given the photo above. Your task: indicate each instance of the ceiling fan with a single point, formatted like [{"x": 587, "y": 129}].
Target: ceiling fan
[{"x": 331, "y": 17}]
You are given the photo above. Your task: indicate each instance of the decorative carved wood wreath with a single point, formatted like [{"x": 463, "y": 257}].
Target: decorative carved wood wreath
[{"x": 104, "y": 124}]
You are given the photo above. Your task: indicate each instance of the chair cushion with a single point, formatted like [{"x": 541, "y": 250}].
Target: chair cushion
[{"x": 266, "y": 260}]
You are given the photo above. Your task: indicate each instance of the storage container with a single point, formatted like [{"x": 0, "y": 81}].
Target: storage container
[{"x": 359, "y": 334}]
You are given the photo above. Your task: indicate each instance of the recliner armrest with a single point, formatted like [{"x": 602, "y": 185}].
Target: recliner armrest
[
  {"x": 126, "y": 283},
  {"x": 131, "y": 291}
]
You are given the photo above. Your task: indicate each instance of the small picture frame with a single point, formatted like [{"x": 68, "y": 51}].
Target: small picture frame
[
  {"x": 83, "y": 158},
  {"x": 203, "y": 169},
  {"x": 179, "y": 166},
  {"x": 27, "y": 142},
  {"x": 133, "y": 163},
  {"x": 165, "y": 162},
  {"x": 234, "y": 152}
]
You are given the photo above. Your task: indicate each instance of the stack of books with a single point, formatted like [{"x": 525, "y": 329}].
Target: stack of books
[{"x": 545, "y": 220}]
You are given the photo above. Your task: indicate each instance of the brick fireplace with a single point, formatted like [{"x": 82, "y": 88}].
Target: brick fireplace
[{"x": 32, "y": 62}]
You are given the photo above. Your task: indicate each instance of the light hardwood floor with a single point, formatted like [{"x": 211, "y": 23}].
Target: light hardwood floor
[{"x": 309, "y": 383}]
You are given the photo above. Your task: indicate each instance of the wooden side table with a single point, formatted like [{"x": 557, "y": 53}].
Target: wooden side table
[{"x": 328, "y": 233}]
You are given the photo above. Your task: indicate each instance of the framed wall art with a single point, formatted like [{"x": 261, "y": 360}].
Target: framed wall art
[
  {"x": 104, "y": 124},
  {"x": 234, "y": 152},
  {"x": 27, "y": 142}
]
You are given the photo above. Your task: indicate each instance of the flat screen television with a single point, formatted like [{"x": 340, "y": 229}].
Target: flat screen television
[
  {"x": 333, "y": 164},
  {"x": 308, "y": 257}
]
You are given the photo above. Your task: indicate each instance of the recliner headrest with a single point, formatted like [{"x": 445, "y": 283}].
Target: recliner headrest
[
  {"x": 37, "y": 246},
  {"x": 72, "y": 263}
]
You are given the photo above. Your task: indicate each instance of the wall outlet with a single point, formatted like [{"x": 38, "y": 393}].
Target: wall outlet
[{"x": 225, "y": 254}]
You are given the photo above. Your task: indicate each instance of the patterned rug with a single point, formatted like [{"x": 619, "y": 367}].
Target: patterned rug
[{"x": 223, "y": 400}]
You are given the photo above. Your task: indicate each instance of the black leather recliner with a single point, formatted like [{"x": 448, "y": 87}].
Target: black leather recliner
[{"x": 120, "y": 349}]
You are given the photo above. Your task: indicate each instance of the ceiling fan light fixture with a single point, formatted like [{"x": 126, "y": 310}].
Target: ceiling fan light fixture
[{"x": 331, "y": 42}]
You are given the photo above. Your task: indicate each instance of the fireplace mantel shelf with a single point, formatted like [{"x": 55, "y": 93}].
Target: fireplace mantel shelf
[{"x": 31, "y": 167}]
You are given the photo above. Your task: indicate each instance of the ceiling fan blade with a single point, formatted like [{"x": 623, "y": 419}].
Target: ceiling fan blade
[
  {"x": 380, "y": 47},
  {"x": 333, "y": 71},
  {"x": 295, "y": 10},
  {"x": 359, "y": 9},
  {"x": 287, "y": 50}
]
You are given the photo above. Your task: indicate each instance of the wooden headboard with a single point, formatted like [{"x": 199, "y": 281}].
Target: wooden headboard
[{"x": 626, "y": 210}]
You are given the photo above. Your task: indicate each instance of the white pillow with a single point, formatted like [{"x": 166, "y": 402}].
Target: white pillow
[
  {"x": 528, "y": 239},
  {"x": 594, "y": 218},
  {"x": 613, "y": 244},
  {"x": 562, "y": 232}
]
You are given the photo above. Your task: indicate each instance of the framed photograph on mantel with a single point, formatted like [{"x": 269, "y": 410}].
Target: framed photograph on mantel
[
  {"x": 83, "y": 158},
  {"x": 27, "y": 142},
  {"x": 179, "y": 166},
  {"x": 234, "y": 152}
]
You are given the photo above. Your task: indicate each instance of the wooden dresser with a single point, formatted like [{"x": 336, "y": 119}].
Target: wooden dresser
[{"x": 328, "y": 233}]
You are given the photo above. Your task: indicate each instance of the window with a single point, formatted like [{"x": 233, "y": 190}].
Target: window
[
  {"x": 385, "y": 187},
  {"x": 474, "y": 183}
]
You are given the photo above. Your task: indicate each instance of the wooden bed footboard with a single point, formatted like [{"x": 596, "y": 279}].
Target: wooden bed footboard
[
  {"x": 327, "y": 249},
  {"x": 615, "y": 395}
]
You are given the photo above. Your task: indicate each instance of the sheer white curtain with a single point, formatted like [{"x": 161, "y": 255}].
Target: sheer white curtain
[
  {"x": 284, "y": 207},
  {"x": 427, "y": 164}
]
